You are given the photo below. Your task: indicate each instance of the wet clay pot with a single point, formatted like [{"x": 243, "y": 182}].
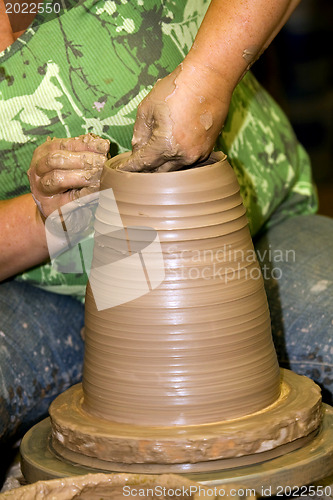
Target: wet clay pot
[{"x": 197, "y": 348}]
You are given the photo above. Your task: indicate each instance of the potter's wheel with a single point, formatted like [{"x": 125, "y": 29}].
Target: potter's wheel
[
  {"x": 287, "y": 424},
  {"x": 184, "y": 378},
  {"x": 311, "y": 462}
]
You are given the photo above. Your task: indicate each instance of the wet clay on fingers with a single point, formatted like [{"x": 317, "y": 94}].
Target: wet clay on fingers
[
  {"x": 161, "y": 140},
  {"x": 63, "y": 170}
]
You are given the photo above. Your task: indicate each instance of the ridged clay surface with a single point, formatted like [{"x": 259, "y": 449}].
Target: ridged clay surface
[{"x": 198, "y": 348}]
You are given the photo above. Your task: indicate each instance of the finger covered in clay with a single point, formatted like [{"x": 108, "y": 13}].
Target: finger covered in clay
[
  {"x": 59, "y": 181},
  {"x": 65, "y": 169},
  {"x": 69, "y": 160}
]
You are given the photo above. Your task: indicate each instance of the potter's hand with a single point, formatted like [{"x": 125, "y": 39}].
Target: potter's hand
[
  {"x": 178, "y": 122},
  {"x": 62, "y": 170}
]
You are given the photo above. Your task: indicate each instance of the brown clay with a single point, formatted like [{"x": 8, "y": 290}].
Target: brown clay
[
  {"x": 198, "y": 348},
  {"x": 183, "y": 377},
  {"x": 91, "y": 441},
  {"x": 118, "y": 487}
]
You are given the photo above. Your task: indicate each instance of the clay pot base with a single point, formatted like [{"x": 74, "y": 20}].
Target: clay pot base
[
  {"x": 95, "y": 442},
  {"x": 211, "y": 466},
  {"x": 306, "y": 465}
]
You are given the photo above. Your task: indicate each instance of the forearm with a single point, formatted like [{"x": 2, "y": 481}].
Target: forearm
[
  {"x": 233, "y": 34},
  {"x": 6, "y": 34},
  {"x": 179, "y": 121},
  {"x": 22, "y": 236}
]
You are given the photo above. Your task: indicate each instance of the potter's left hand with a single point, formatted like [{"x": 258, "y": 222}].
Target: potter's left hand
[
  {"x": 63, "y": 170},
  {"x": 178, "y": 122}
]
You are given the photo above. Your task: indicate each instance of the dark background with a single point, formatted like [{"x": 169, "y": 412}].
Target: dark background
[{"x": 297, "y": 70}]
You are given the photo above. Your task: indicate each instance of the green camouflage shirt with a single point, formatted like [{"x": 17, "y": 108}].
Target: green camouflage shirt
[{"x": 88, "y": 69}]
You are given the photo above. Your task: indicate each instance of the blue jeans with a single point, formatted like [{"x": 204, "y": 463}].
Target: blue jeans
[
  {"x": 299, "y": 288},
  {"x": 41, "y": 349},
  {"x": 41, "y": 353}
]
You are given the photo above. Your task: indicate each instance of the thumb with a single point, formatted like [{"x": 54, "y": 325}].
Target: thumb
[
  {"x": 152, "y": 156},
  {"x": 144, "y": 159},
  {"x": 143, "y": 127},
  {"x": 153, "y": 142}
]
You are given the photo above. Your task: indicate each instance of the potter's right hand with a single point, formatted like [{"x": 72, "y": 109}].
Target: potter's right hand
[
  {"x": 63, "y": 170},
  {"x": 180, "y": 119},
  {"x": 178, "y": 122}
]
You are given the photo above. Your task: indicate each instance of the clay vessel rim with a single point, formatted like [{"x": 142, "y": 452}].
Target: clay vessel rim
[{"x": 215, "y": 157}]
